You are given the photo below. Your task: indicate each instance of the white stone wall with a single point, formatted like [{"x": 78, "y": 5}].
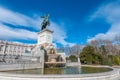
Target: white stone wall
[
  {"x": 20, "y": 66},
  {"x": 37, "y": 52}
]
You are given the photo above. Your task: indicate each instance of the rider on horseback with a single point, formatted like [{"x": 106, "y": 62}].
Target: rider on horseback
[{"x": 45, "y": 21}]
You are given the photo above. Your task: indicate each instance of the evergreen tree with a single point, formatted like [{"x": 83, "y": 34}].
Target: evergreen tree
[{"x": 90, "y": 56}]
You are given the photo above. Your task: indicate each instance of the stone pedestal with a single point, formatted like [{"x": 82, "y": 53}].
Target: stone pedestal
[{"x": 45, "y": 37}]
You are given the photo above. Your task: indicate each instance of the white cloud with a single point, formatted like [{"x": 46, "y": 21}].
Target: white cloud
[
  {"x": 60, "y": 35},
  {"x": 18, "y": 19},
  {"x": 111, "y": 13},
  {"x": 8, "y": 33}
]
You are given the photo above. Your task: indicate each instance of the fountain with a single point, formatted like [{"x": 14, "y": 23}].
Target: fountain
[{"x": 45, "y": 59}]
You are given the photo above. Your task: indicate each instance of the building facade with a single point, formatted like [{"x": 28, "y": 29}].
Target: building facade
[{"x": 14, "y": 48}]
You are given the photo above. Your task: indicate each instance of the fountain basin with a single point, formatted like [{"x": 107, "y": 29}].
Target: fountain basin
[{"x": 110, "y": 75}]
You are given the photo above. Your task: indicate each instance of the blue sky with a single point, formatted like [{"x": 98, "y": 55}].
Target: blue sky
[{"x": 73, "y": 21}]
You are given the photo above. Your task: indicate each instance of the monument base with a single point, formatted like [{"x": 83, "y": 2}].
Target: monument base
[{"x": 51, "y": 56}]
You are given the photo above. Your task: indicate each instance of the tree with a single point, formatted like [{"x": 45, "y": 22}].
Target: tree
[
  {"x": 116, "y": 60},
  {"x": 90, "y": 56},
  {"x": 106, "y": 52},
  {"x": 103, "y": 50},
  {"x": 117, "y": 39},
  {"x": 73, "y": 58},
  {"x": 95, "y": 44}
]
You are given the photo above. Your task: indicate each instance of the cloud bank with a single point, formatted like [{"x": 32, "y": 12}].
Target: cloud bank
[
  {"x": 111, "y": 13},
  {"x": 18, "y": 19},
  {"x": 8, "y": 33}
]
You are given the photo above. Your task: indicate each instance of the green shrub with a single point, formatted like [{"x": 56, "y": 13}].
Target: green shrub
[{"x": 73, "y": 58}]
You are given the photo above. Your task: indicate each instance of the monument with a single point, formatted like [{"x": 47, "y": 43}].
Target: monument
[
  {"x": 45, "y": 38},
  {"x": 45, "y": 35}
]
